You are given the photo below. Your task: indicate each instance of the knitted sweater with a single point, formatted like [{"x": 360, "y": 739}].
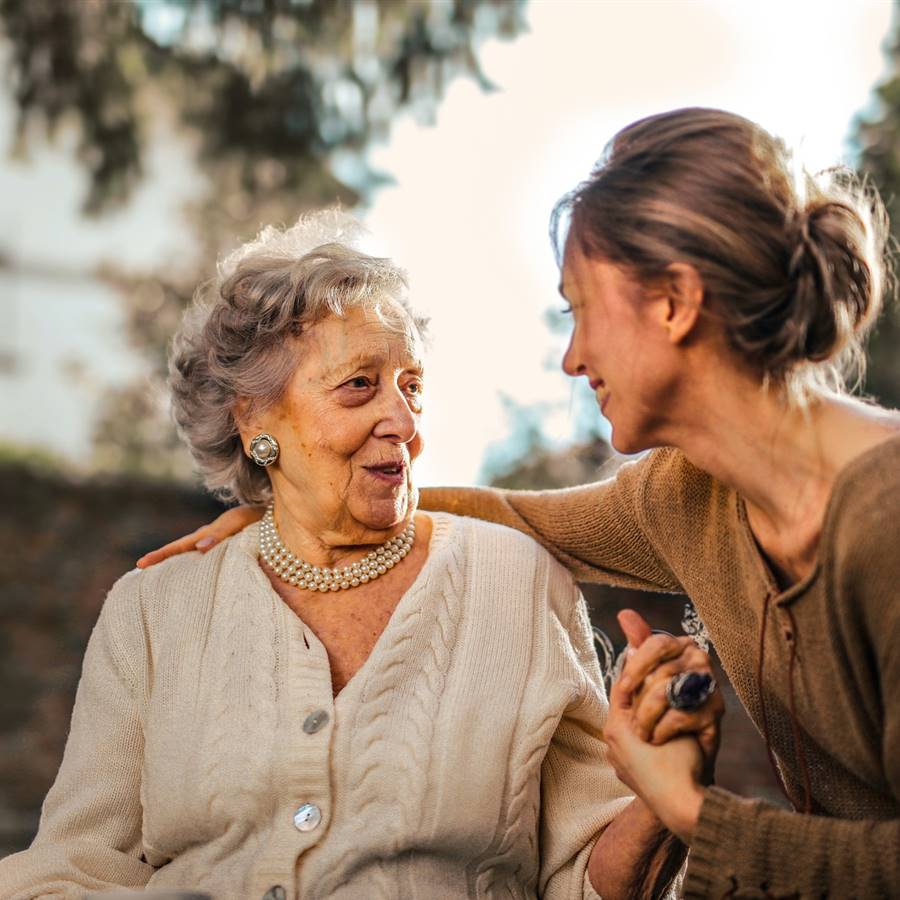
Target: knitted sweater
[
  {"x": 665, "y": 525},
  {"x": 462, "y": 760}
]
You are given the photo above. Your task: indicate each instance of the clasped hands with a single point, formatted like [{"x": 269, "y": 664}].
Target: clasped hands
[{"x": 664, "y": 755}]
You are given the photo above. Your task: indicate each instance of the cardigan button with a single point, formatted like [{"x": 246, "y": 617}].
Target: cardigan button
[
  {"x": 275, "y": 893},
  {"x": 307, "y": 817},
  {"x": 315, "y": 721}
]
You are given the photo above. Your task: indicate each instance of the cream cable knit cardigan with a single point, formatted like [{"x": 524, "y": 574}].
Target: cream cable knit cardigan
[{"x": 463, "y": 760}]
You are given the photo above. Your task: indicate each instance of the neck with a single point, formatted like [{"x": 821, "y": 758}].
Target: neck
[
  {"x": 783, "y": 460},
  {"x": 770, "y": 453},
  {"x": 328, "y": 540}
]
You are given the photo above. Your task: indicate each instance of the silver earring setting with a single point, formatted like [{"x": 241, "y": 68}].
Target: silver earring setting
[{"x": 264, "y": 449}]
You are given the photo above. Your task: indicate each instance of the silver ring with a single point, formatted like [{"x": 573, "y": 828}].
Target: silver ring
[{"x": 688, "y": 691}]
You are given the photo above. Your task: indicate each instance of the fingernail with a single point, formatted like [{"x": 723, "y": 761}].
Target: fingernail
[{"x": 205, "y": 543}]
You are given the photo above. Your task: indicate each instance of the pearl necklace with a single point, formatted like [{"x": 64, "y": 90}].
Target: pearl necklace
[{"x": 301, "y": 574}]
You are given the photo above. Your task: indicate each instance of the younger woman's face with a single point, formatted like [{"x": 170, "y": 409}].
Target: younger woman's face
[{"x": 619, "y": 343}]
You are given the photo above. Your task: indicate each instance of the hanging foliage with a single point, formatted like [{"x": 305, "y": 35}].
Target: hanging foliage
[{"x": 280, "y": 98}]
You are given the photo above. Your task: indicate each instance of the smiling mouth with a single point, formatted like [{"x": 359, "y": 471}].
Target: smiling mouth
[{"x": 392, "y": 472}]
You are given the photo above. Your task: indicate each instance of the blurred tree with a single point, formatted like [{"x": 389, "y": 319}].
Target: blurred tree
[
  {"x": 545, "y": 468},
  {"x": 878, "y": 137},
  {"x": 282, "y": 99},
  {"x": 527, "y": 458}
]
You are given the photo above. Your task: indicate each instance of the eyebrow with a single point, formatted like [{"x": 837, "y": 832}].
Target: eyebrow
[
  {"x": 364, "y": 361},
  {"x": 360, "y": 361}
]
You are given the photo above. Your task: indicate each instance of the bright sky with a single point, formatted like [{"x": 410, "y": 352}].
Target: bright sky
[{"x": 468, "y": 213}]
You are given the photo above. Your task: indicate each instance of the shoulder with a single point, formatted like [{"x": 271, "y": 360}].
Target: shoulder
[
  {"x": 481, "y": 533},
  {"x": 502, "y": 560},
  {"x": 176, "y": 588},
  {"x": 861, "y": 558},
  {"x": 869, "y": 481},
  {"x": 663, "y": 487},
  {"x": 497, "y": 545},
  {"x": 684, "y": 511},
  {"x": 670, "y": 475},
  {"x": 864, "y": 508}
]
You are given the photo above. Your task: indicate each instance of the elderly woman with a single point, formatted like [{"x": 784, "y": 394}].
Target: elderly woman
[{"x": 349, "y": 699}]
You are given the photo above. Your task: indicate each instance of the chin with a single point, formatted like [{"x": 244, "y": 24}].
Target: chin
[
  {"x": 623, "y": 442},
  {"x": 384, "y": 513}
]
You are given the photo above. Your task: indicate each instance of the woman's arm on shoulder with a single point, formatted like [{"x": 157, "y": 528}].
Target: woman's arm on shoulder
[
  {"x": 89, "y": 837},
  {"x": 597, "y": 531},
  {"x": 207, "y": 536}
]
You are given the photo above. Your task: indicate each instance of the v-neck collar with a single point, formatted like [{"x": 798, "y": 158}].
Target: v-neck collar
[
  {"x": 411, "y": 598},
  {"x": 441, "y": 529}
]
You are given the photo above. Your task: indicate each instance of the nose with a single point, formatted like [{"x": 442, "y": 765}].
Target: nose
[
  {"x": 397, "y": 422},
  {"x": 570, "y": 361}
]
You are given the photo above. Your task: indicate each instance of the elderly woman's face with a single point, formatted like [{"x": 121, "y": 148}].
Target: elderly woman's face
[{"x": 348, "y": 424}]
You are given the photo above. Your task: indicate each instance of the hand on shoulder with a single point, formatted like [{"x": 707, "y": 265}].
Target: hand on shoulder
[{"x": 206, "y": 537}]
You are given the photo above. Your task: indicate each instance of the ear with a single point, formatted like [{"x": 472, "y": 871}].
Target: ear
[
  {"x": 683, "y": 289},
  {"x": 247, "y": 426}
]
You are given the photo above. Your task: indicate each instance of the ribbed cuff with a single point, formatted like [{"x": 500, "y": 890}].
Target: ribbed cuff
[{"x": 720, "y": 831}]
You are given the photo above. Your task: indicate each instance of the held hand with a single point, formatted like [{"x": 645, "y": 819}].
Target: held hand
[
  {"x": 230, "y": 522},
  {"x": 653, "y": 659},
  {"x": 666, "y": 777},
  {"x": 666, "y": 772}
]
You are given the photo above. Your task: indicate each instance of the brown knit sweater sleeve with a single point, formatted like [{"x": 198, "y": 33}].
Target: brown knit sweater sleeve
[
  {"x": 746, "y": 848},
  {"x": 598, "y": 531}
]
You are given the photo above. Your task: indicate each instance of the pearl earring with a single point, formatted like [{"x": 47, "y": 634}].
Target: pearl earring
[{"x": 264, "y": 449}]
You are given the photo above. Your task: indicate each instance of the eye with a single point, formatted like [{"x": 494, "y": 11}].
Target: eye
[
  {"x": 566, "y": 310},
  {"x": 413, "y": 390},
  {"x": 360, "y": 382}
]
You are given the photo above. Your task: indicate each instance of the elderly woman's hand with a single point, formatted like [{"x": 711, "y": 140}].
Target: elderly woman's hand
[
  {"x": 207, "y": 536},
  {"x": 667, "y": 777},
  {"x": 663, "y": 755}
]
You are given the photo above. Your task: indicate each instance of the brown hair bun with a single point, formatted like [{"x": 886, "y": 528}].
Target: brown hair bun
[{"x": 836, "y": 293}]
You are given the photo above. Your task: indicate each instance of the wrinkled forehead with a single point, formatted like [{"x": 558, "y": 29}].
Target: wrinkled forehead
[
  {"x": 377, "y": 332},
  {"x": 395, "y": 317}
]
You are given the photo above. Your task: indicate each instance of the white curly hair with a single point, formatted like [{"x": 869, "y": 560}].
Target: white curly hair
[{"x": 234, "y": 342}]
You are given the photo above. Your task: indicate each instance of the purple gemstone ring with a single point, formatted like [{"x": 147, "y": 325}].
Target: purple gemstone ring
[{"x": 688, "y": 691}]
